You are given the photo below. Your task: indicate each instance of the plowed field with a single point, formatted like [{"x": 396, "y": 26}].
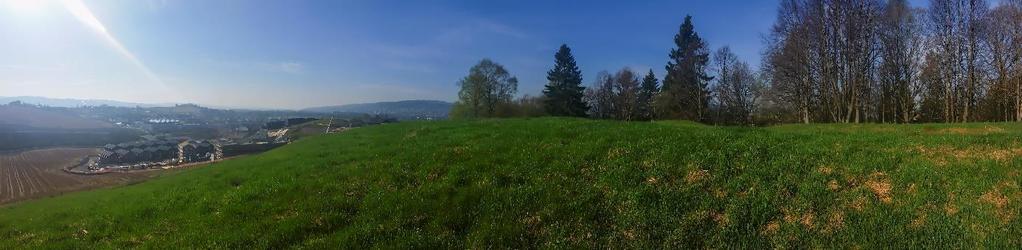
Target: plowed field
[{"x": 38, "y": 173}]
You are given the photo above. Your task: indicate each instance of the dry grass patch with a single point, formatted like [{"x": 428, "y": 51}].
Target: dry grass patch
[
  {"x": 826, "y": 170},
  {"x": 772, "y": 227},
  {"x": 996, "y": 198},
  {"x": 696, "y": 175},
  {"x": 719, "y": 193},
  {"x": 789, "y": 217},
  {"x": 807, "y": 219},
  {"x": 966, "y": 131},
  {"x": 950, "y": 209},
  {"x": 832, "y": 185},
  {"x": 858, "y": 204},
  {"x": 880, "y": 185},
  {"x": 911, "y": 189},
  {"x": 652, "y": 180},
  {"x": 616, "y": 153},
  {"x": 835, "y": 221},
  {"x": 935, "y": 155},
  {"x": 919, "y": 221},
  {"x": 1003, "y": 155},
  {"x": 921, "y": 215},
  {"x": 721, "y": 219},
  {"x": 630, "y": 234},
  {"x": 941, "y": 155}
]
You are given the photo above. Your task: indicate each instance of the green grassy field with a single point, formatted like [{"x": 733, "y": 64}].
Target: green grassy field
[{"x": 568, "y": 183}]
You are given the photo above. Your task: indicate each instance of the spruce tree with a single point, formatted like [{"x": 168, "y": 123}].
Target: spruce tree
[
  {"x": 564, "y": 91},
  {"x": 685, "y": 85},
  {"x": 647, "y": 91}
]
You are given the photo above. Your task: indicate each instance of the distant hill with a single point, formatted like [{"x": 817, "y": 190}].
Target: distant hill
[
  {"x": 70, "y": 103},
  {"x": 27, "y": 126},
  {"x": 74, "y": 103},
  {"x": 50, "y": 118},
  {"x": 411, "y": 109}
]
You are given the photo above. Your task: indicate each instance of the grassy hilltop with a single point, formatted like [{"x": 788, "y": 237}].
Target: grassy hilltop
[{"x": 568, "y": 182}]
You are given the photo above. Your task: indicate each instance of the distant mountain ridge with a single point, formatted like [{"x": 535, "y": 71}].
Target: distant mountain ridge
[
  {"x": 27, "y": 116},
  {"x": 410, "y": 109},
  {"x": 406, "y": 109},
  {"x": 72, "y": 103}
]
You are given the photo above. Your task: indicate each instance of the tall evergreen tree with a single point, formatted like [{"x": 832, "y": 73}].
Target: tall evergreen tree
[
  {"x": 564, "y": 91},
  {"x": 647, "y": 90},
  {"x": 685, "y": 94}
]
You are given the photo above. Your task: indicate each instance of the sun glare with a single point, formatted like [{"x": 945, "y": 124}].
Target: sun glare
[{"x": 30, "y": 12}]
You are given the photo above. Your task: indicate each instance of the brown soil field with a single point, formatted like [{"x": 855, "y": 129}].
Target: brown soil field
[{"x": 39, "y": 173}]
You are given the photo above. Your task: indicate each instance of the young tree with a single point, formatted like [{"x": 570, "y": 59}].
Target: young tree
[
  {"x": 601, "y": 97},
  {"x": 685, "y": 94},
  {"x": 626, "y": 86},
  {"x": 487, "y": 87},
  {"x": 647, "y": 90},
  {"x": 564, "y": 91},
  {"x": 737, "y": 89}
]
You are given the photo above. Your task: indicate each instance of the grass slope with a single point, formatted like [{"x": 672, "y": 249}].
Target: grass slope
[{"x": 566, "y": 182}]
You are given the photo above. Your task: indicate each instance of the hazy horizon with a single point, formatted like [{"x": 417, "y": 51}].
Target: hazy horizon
[{"x": 64, "y": 102}]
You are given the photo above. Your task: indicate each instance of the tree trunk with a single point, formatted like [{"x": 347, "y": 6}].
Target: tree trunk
[{"x": 1018, "y": 98}]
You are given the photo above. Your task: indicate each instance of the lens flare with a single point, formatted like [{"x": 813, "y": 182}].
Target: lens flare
[{"x": 84, "y": 15}]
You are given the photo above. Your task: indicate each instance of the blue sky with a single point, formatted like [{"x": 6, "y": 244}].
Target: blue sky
[{"x": 294, "y": 54}]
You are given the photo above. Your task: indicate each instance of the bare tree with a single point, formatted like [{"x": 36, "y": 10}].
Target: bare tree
[
  {"x": 787, "y": 60},
  {"x": 884, "y": 61},
  {"x": 957, "y": 28},
  {"x": 737, "y": 88},
  {"x": 854, "y": 55},
  {"x": 1003, "y": 40},
  {"x": 822, "y": 54},
  {"x": 901, "y": 38},
  {"x": 626, "y": 86},
  {"x": 601, "y": 97}
]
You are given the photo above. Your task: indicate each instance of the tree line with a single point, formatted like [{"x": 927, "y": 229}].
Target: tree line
[
  {"x": 828, "y": 61},
  {"x": 873, "y": 61}
]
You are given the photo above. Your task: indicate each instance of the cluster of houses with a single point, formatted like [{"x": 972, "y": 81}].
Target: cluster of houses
[
  {"x": 198, "y": 151},
  {"x": 158, "y": 151},
  {"x": 155, "y": 151}
]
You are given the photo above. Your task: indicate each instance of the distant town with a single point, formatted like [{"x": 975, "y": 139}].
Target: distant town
[{"x": 140, "y": 137}]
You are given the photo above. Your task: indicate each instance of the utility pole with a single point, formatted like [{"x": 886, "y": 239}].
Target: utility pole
[{"x": 328, "y": 124}]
